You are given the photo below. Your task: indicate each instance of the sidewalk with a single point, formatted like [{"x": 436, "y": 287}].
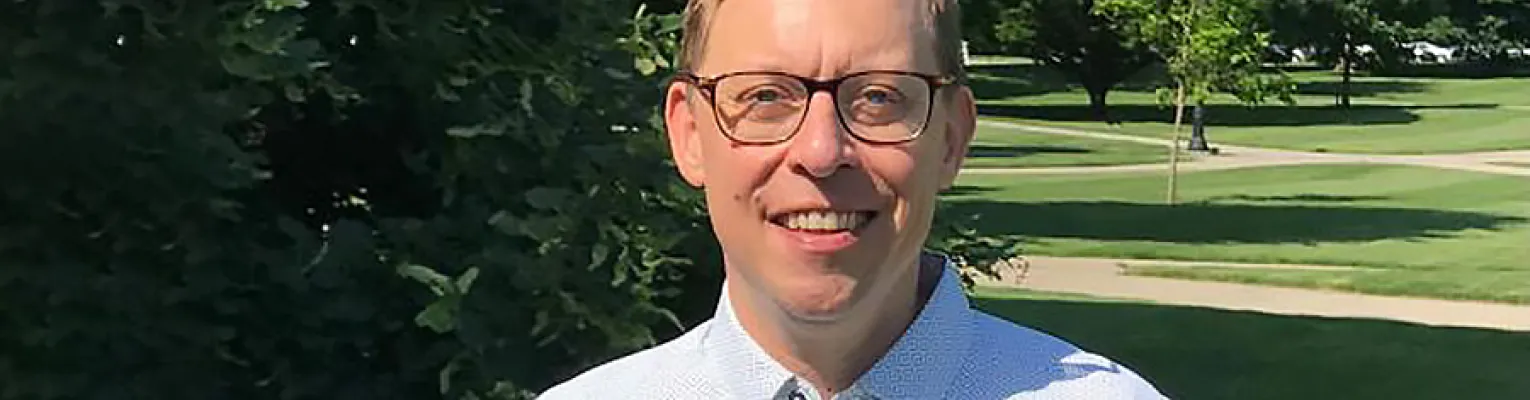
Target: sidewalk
[{"x": 1103, "y": 277}]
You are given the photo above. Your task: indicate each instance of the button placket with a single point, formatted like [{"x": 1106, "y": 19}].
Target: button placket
[{"x": 793, "y": 389}]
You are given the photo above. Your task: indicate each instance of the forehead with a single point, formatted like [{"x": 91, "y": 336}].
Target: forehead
[{"x": 818, "y": 38}]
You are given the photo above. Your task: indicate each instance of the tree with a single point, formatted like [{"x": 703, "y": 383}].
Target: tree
[
  {"x": 1487, "y": 30},
  {"x": 1337, "y": 29},
  {"x": 979, "y": 18},
  {"x": 1067, "y": 36},
  {"x": 1483, "y": 30},
  {"x": 1207, "y": 46}
]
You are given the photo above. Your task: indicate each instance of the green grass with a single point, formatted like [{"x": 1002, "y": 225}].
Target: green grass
[
  {"x": 1403, "y": 218},
  {"x": 1006, "y": 147},
  {"x": 1501, "y": 286},
  {"x": 1513, "y": 164},
  {"x": 1200, "y": 353},
  {"x": 1390, "y": 115}
]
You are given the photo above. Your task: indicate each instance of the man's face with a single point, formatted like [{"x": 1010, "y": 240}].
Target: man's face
[{"x": 818, "y": 220}]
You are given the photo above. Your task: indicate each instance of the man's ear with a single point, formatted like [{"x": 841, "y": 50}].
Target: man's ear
[
  {"x": 684, "y": 141},
  {"x": 961, "y": 126}
]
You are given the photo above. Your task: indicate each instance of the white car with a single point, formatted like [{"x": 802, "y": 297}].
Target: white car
[{"x": 1430, "y": 52}]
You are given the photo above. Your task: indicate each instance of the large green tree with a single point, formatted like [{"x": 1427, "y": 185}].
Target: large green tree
[{"x": 1067, "y": 36}]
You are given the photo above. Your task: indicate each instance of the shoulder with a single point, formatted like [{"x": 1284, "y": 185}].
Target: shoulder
[
  {"x": 1010, "y": 361},
  {"x": 664, "y": 371}
]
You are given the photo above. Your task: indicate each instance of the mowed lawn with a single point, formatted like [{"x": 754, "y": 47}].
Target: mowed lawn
[
  {"x": 1389, "y": 115},
  {"x": 1501, "y": 286},
  {"x": 998, "y": 146},
  {"x": 1469, "y": 233},
  {"x": 1201, "y": 353}
]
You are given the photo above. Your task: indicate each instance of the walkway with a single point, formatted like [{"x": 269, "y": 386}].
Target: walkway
[
  {"x": 1104, "y": 277},
  {"x": 1233, "y": 157}
]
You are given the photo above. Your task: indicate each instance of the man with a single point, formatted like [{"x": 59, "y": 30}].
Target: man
[{"x": 821, "y": 132}]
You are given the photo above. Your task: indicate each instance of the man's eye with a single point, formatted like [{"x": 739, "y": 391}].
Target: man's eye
[
  {"x": 880, "y": 97},
  {"x": 877, "y": 97},
  {"x": 764, "y": 96}
]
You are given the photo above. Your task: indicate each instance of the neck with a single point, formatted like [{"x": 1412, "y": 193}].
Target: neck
[{"x": 833, "y": 355}]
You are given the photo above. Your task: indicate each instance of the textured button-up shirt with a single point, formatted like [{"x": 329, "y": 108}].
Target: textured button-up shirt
[{"x": 951, "y": 351}]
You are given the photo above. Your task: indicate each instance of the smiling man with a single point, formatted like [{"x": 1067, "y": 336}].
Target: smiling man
[{"x": 822, "y": 132}]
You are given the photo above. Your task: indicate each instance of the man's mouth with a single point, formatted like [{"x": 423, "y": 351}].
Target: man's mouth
[{"x": 823, "y": 221}]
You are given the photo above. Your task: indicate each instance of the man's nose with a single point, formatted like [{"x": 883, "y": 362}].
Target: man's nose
[{"x": 821, "y": 145}]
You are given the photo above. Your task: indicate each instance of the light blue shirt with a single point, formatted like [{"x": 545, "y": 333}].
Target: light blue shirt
[{"x": 951, "y": 351}]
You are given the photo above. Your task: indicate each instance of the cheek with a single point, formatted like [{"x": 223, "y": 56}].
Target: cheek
[
  {"x": 737, "y": 173},
  {"x": 911, "y": 171},
  {"x": 911, "y": 175},
  {"x": 914, "y": 180}
]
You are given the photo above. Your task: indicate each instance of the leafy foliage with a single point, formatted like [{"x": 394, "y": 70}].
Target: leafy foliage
[
  {"x": 1484, "y": 30},
  {"x": 1207, "y": 46},
  {"x": 1068, "y": 36},
  {"x": 352, "y": 199}
]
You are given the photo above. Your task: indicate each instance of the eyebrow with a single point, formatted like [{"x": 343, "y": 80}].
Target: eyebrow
[{"x": 776, "y": 67}]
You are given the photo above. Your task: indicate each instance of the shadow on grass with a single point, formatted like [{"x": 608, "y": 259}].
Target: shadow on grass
[
  {"x": 1304, "y": 197},
  {"x": 1458, "y": 71},
  {"x": 1201, "y": 353},
  {"x": 997, "y": 82},
  {"x": 1011, "y": 151},
  {"x": 965, "y": 190},
  {"x": 1361, "y": 89},
  {"x": 1229, "y": 115},
  {"x": 1008, "y": 81},
  {"x": 1218, "y": 223}
]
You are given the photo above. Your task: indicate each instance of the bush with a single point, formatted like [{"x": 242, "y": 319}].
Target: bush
[{"x": 350, "y": 199}]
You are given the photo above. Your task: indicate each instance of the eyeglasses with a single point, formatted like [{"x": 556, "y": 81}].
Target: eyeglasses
[{"x": 766, "y": 107}]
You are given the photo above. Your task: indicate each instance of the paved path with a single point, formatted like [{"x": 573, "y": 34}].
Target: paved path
[
  {"x": 1233, "y": 157},
  {"x": 1104, "y": 277}
]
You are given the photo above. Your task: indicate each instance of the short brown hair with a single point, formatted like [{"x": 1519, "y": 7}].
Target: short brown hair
[{"x": 945, "y": 15}]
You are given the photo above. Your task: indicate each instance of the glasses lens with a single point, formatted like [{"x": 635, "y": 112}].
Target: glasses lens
[
  {"x": 885, "y": 107},
  {"x": 760, "y": 108}
]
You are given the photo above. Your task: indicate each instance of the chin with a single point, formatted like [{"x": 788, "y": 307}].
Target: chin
[{"x": 822, "y": 298}]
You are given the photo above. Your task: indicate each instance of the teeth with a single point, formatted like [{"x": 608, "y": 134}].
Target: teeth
[{"x": 824, "y": 220}]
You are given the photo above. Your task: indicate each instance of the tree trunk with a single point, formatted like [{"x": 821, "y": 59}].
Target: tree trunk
[
  {"x": 1098, "y": 108},
  {"x": 1347, "y": 61},
  {"x": 1179, "y": 118}
]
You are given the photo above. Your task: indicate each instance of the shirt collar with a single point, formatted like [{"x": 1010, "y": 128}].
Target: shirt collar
[
  {"x": 921, "y": 364},
  {"x": 742, "y": 366}
]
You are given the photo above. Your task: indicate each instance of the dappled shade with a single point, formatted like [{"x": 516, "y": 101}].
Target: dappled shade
[
  {"x": 1217, "y": 222},
  {"x": 1201, "y": 353}
]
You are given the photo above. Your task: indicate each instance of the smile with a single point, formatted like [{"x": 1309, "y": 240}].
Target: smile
[{"x": 826, "y": 221}]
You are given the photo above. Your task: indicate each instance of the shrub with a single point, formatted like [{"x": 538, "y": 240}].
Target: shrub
[{"x": 352, "y": 199}]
